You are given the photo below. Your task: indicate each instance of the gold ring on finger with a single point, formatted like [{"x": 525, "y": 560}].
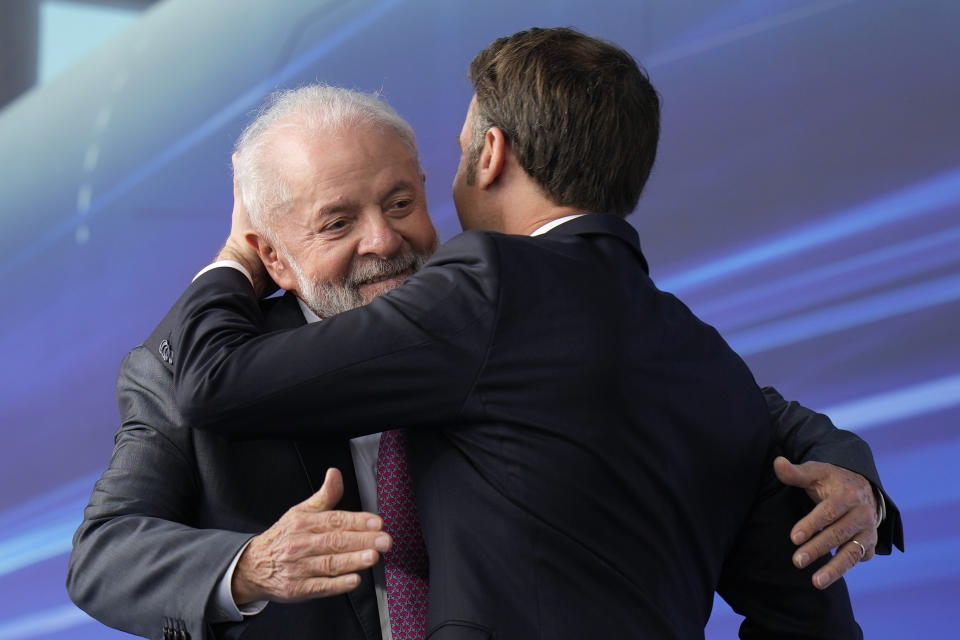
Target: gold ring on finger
[{"x": 863, "y": 549}]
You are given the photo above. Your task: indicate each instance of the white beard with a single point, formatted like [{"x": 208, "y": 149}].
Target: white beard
[{"x": 328, "y": 299}]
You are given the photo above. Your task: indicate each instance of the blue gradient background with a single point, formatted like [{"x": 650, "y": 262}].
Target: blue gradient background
[{"x": 806, "y": 201}]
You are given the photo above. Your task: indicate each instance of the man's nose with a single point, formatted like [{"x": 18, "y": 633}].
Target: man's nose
[{"x": 379, "y": 238}]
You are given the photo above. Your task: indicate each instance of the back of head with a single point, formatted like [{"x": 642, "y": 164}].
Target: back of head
[
  {"x": 582, "y": 118},
  {"x": 312, "y": 112}
]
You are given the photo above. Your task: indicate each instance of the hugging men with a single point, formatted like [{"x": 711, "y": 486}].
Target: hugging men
[{"x": 587, "y": 457}]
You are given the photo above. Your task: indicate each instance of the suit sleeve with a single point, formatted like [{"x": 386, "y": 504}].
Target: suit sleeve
[
  {"x": 137, "y": 565},
  {"x": 410, "y": 357},
  {"x": 806, "y": 435}
]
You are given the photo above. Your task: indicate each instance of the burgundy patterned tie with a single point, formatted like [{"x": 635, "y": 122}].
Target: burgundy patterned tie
[{"x": 405, "y": 565}]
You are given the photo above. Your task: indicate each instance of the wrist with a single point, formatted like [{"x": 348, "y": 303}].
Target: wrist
[
  {"x": 231, "y": 252},
  {"x": 243, "y": 587},
  {"x": 251, "y": 265}
]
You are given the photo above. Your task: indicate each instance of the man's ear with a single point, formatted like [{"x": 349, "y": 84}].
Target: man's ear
[
  {"x": 273, "y": 261},
  {"x": 493, "y": 157}
]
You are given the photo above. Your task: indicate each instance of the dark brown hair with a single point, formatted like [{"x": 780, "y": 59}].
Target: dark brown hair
[{"x": 581, "y": 116}]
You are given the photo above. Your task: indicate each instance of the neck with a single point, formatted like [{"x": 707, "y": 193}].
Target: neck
[
  {"x": 521, "y": 206},
  {"x": 525, "y": 208}
]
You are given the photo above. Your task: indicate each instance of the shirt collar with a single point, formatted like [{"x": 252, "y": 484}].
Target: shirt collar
[
  {"x": 308, "y": 313},
  {"x": 555, "y": 223}
]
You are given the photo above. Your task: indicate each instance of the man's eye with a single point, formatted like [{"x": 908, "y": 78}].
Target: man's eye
[
  {"x": 402, "y": 204},
  {"x": 336, "y": 225}
]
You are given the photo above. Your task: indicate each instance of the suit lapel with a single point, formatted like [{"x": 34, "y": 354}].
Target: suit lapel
[{"x": 317, "y": 456}]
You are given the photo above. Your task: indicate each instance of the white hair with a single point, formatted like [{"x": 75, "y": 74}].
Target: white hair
[{"x": 314, "y": 108}]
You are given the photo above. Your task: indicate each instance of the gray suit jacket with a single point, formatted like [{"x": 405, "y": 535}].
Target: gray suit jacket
[{"x": 175, "y": 505}]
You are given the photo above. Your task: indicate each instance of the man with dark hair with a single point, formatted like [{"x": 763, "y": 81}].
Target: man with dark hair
[
  {"x": 561, "y": 101},
  {"x": 589, "y": 459},
  {"x": 583, "y": 121}
]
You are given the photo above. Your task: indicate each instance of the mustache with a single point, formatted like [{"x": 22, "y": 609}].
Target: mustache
[{"x": 372, "y": 268}]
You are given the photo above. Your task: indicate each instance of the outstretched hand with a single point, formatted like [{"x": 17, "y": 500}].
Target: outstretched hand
[
  {"x": 844, "y": 519},
  {"x": 311, "y": 551}
]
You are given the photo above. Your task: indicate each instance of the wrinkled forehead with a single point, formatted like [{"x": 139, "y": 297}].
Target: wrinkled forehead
[
  {"x": 354, "y": 166},
  {"x": 295, "y": 146}
]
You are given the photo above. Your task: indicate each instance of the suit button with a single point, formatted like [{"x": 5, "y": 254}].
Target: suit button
[{"x": 166, "y": 353}]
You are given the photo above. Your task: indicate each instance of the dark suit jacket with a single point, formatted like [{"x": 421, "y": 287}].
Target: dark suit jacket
[
  {"x": 176, "y": 504},
  {"x": 590, "y": 460}
]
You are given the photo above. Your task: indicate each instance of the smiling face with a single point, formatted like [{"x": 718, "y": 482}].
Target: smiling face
[{"x": 355, "y": 223}]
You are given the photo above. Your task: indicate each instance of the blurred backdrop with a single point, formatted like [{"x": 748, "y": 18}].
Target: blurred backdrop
[{"x": 806, "y": 201}]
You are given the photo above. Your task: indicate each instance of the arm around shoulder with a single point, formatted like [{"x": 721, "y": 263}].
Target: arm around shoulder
[{"x": 415, "y": 350}]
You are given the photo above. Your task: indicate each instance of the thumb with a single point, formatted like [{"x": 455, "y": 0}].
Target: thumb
[
  {"x": 329, "y": 494},
  {"x": 794, "y": 475}
]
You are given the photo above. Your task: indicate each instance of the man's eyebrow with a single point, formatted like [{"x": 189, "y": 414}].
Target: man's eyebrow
[
  {"x": 400, "y": 185},
  {"x": 333, "y": 209},
  {"x": 351, "y": 205}
]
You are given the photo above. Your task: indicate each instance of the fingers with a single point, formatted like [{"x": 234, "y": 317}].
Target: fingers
[
  {"x": 289, "y": 565},
  {"x": 338, "y": 564},
  {"x": 794, "y": 475},
  {"x": 314, "y": 514},
  {"x": 243, "y": 242},
  {"x": 856, "y": 523},
  {"x": 307, "y": 545},
  {"x": 344, "y": 521},
  {"x": 312, "y": 551},
  {"x": 239, "y": 217},
  {"x": 325, "y": 569},
  {"x": 840, "y": 494},
  {"x": 840, "y": 515},
  {"x": 846, "y": 511},
  {"x": 326, "y": 587},
  {"x": 317, "y": 587},
  {"x": 304, "y": 519},
  {"x": 330, "y": 492},
  {"x": 846, "y": 557}
]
